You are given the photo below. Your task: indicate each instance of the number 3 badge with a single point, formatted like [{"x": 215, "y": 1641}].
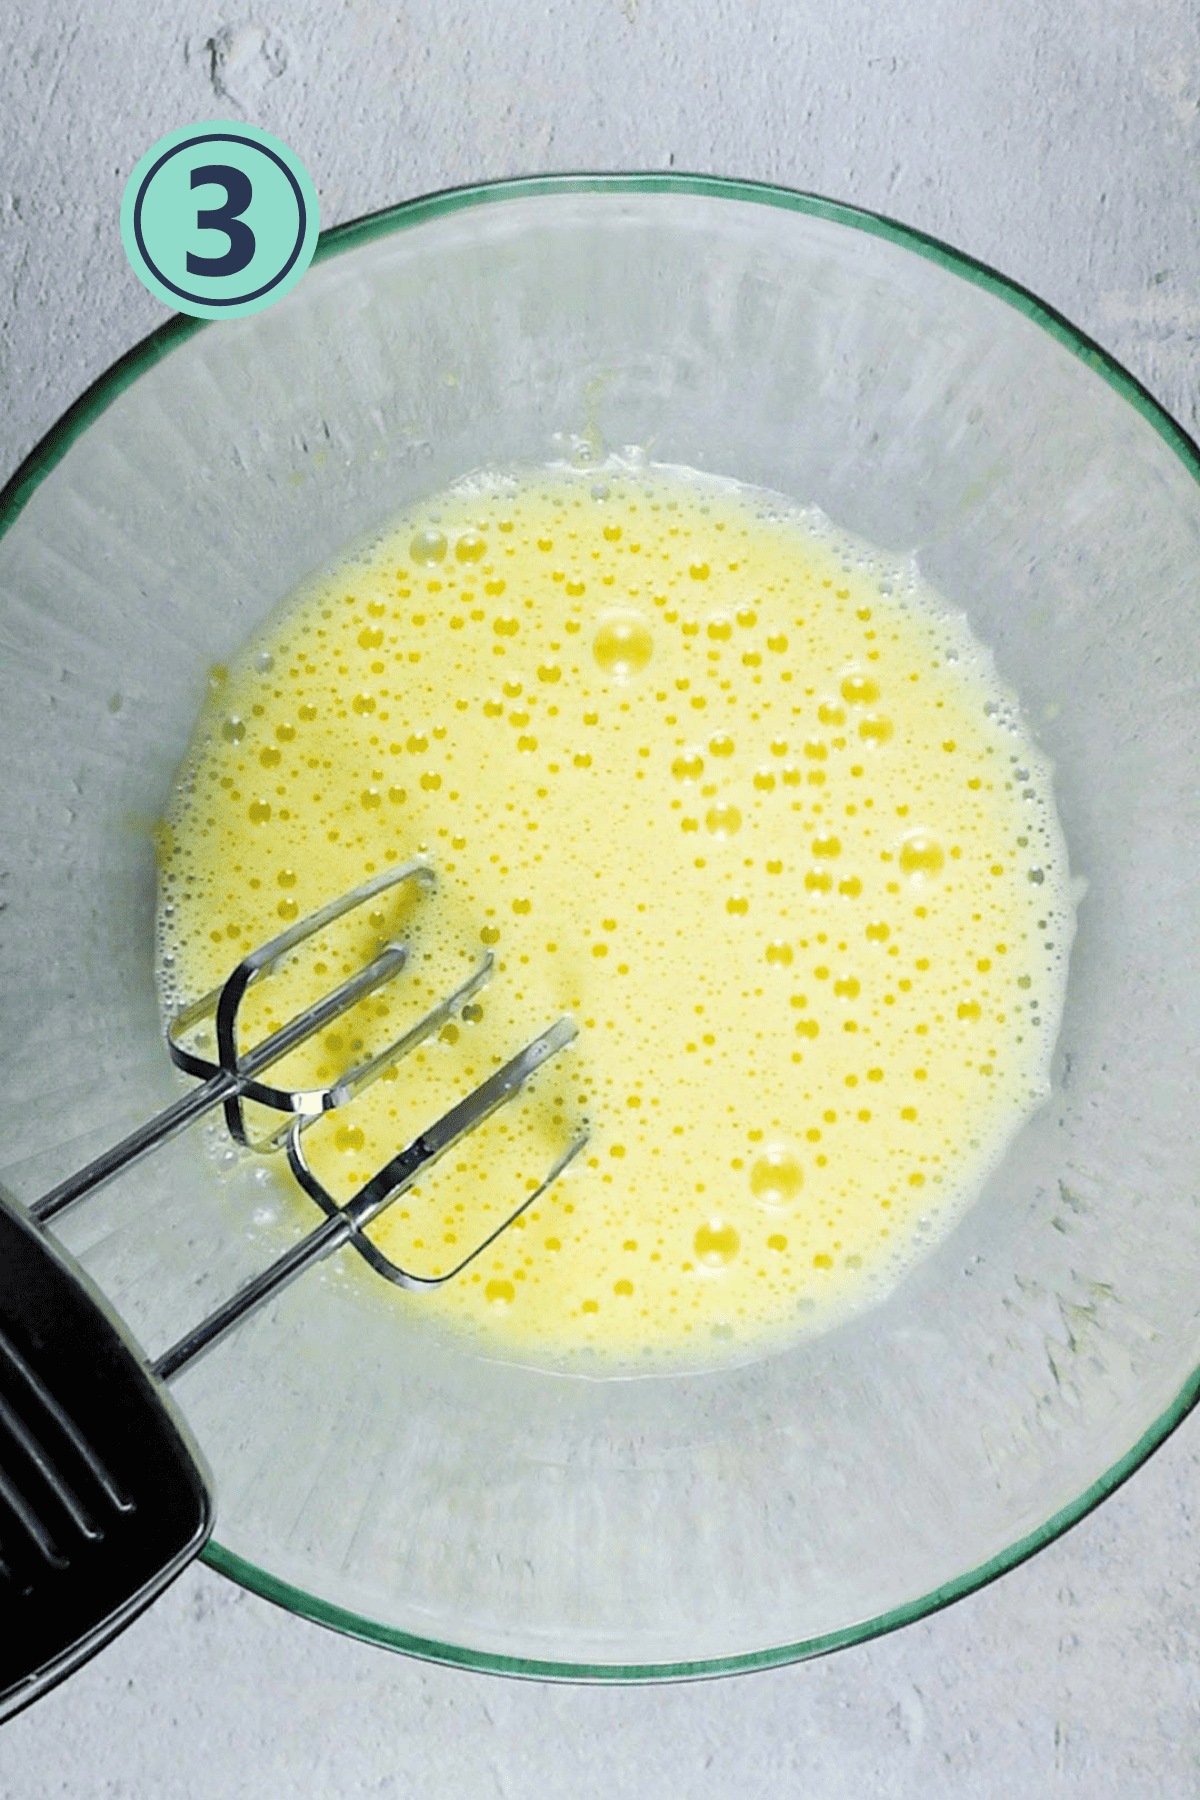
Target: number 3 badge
[{"x": 219, "y": 220}]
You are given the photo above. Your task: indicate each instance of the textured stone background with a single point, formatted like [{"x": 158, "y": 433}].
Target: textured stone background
[{"x": 1062, "y": 145}]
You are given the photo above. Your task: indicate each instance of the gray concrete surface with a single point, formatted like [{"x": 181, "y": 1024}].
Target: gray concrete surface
[{"x": 1060, "y": 144}]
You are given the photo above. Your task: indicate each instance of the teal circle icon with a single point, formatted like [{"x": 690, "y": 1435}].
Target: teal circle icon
[{"x": 219, "y": 220}]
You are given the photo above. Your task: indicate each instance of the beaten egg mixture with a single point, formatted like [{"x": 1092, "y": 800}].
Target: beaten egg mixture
[{"x": 749, "y": 806}]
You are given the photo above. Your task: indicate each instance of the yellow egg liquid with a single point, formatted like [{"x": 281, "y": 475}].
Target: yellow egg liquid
[{"x": 747, "y": 803}]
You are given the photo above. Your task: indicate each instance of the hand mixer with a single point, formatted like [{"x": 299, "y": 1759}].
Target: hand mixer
[{"x": 103, "y": 1496}]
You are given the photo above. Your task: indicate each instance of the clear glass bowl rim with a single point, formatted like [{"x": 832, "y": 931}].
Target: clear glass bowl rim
[{"x": 402, "y": 217}]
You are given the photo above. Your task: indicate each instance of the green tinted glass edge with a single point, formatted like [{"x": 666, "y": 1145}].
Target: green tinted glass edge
[
  {"x": 109, "y": 386},
  {"x": 337, "y": 1618}
]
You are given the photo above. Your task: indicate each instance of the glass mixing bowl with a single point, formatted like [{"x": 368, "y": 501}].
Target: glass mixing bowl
[{"x": 491, "y": 1514}]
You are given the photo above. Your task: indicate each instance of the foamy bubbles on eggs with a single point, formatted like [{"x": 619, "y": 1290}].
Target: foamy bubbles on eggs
[{"x": 745, "y": 801}]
